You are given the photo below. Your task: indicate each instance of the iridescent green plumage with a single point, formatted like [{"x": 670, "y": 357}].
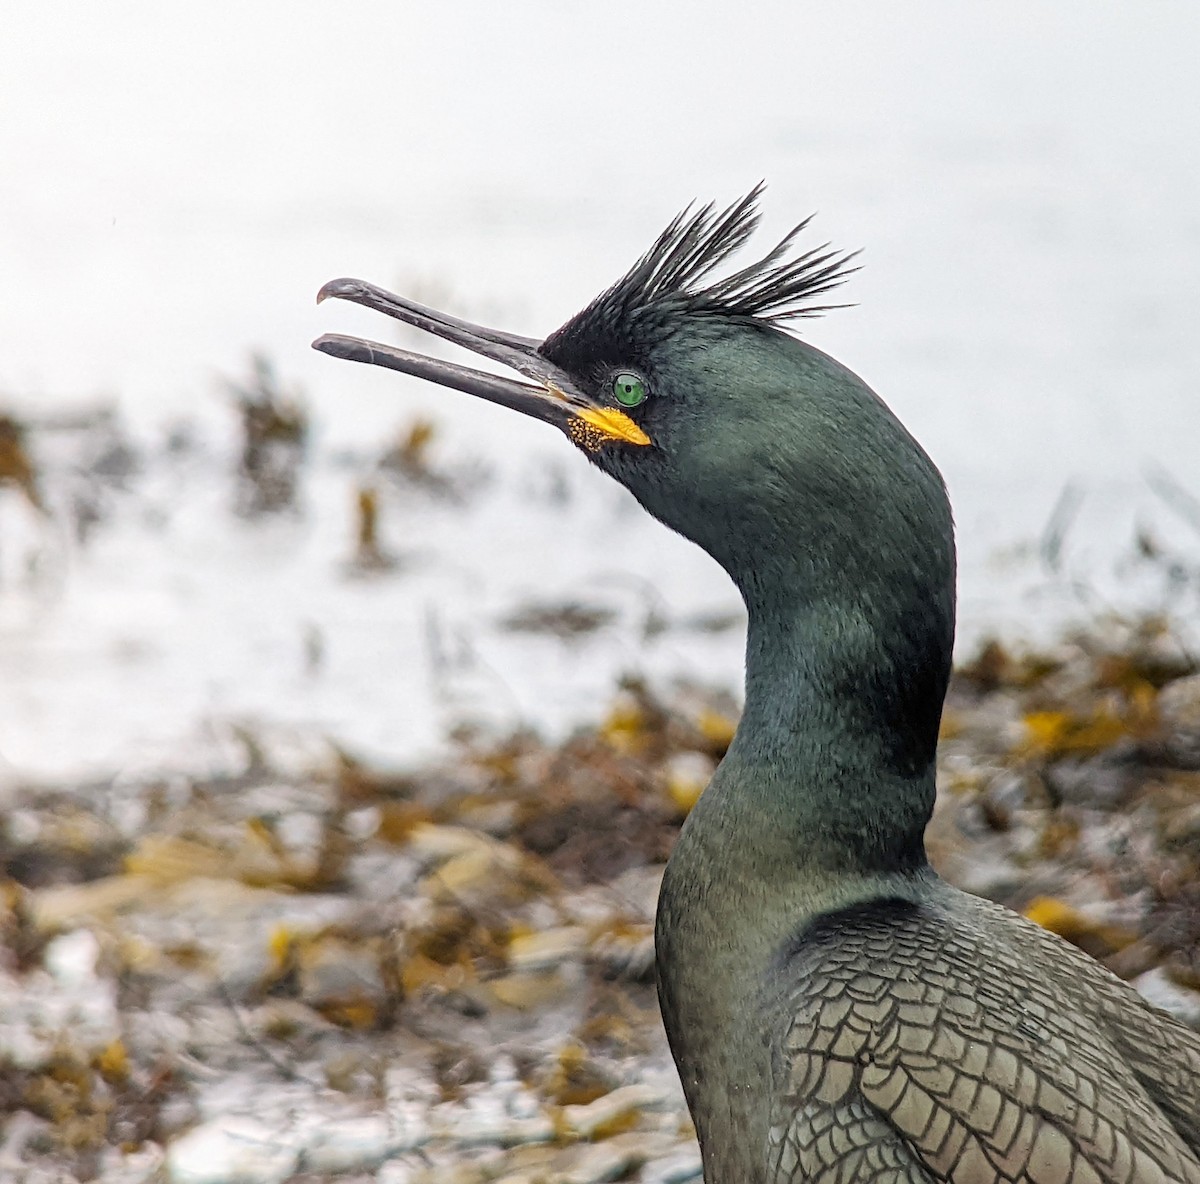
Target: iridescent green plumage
[{"x": 836, "y": 1012}]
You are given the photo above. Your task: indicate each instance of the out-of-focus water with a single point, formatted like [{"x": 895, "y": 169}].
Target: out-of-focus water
[{"x": 177, "y": 181}]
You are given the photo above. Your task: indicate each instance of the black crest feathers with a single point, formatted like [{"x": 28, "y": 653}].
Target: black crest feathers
[{"x": 670, "y": 278}]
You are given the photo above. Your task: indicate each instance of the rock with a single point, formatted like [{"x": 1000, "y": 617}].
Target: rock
[
  {"x": 436, "y": 844},
  {"x": 625, "y": 949},
  {"x": 396, "y": 1171},
  {"x": 1181, "y": 827},
  {"x": 1179, "y": 704},
  {"x": 687, "y": 774},
  {"x": 21, "y": 1130},
  {"x": 39, "y": 1011},
  {"x": 69, "y": 904},
  {"x": 71, "y": 958},
  {"x": 529, "y": 991},
  {"x": 488, "y": 1119},
  {"x": 342, "y": 980},
  {"x": 350, "y": 1145},
  {"x": 610, "y": 1113},
  {"x": 576, "y": 1079},
  {"x": 482, "y": 873},
  {"x": 547, "y": 949},
  {"x": 143, "y": 1166},
  {"x": 674, "y": 1169},
  {"x": 1182, "y": 1002},
  {"x": 610, "y": 1160},
  {"x": 233, "y": 1149}
]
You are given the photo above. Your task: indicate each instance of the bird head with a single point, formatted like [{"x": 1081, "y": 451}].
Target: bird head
[{"x": 687, "y": 390}]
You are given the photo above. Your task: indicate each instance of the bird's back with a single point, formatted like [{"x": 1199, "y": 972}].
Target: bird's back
[{"x": 949, "y": 1039}]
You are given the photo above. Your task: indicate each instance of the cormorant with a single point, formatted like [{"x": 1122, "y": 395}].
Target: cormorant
[{"x": 836, "y": 1011}]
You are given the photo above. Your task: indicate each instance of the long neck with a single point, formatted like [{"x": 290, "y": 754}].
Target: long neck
[
  {"x": 820, "y": 803},
  {"x": 836, "y": 528},
  {"x": 824, "y": 794},
  {"x": 838, "y": 737}
]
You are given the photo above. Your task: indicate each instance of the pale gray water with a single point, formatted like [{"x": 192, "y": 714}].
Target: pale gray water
[{"x": 177, "y": 181}]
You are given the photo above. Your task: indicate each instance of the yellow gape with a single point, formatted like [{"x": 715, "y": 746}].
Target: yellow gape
[{"x": 592, "y": 426}]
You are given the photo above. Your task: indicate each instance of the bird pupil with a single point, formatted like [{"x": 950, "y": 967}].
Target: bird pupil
[{"x": 629, "y": 390}]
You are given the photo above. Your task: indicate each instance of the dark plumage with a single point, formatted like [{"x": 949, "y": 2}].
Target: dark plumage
[
  {"x": 667, "y": 282},
  {"x": 836, "y": 1012}
]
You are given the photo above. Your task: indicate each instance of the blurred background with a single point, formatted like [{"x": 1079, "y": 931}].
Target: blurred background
[
  {"x": 385, "y": 559},
  {"x": 346, "y": 723}
]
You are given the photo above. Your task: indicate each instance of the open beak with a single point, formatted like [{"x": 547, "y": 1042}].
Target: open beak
[{"x": 551, "y": 395}]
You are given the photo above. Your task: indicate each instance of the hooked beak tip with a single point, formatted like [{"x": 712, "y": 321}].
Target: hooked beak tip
[{"x": 339, "y": 288}]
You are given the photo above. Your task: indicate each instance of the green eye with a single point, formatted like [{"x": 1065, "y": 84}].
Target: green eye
[{"x": 629, "y": 390}]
